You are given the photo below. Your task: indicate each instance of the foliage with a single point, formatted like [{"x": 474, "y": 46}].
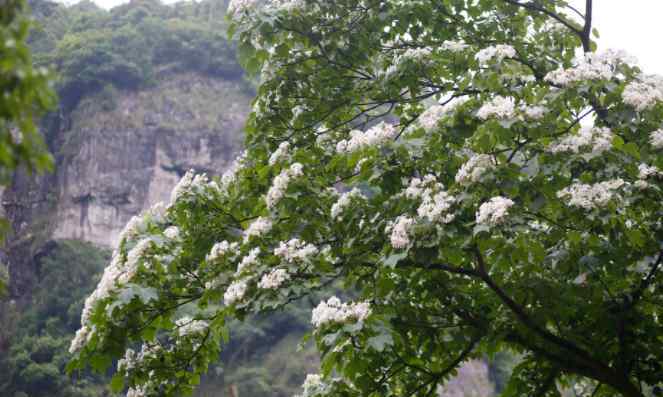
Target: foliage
[
  {"x": 130, "y": 45},
  {"x": 38, "y": 354},
  {"x": 477, "y": 186}
]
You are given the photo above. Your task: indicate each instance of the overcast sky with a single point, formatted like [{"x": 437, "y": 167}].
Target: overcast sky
[{"x": 631, "y": 25}]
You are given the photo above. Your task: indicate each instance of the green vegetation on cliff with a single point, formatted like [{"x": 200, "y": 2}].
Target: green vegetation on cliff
[{"x": 131, "y": 45}]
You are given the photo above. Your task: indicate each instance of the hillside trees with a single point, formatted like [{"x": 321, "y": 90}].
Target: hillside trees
[{"x": 472, "y": 183}]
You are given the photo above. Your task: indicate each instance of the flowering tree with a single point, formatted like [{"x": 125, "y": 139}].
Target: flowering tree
[{"x": 474, "y": 185}]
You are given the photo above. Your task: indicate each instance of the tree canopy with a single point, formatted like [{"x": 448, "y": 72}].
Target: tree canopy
[{"x": 470, "y": 182}]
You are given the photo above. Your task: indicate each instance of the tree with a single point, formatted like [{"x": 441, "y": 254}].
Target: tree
[
  {"x": 26, "y": 94},
  {"x": 471, "y": 184}
]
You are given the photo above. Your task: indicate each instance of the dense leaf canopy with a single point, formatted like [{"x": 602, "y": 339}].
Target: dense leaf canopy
[{"x": 469, "y": 180}]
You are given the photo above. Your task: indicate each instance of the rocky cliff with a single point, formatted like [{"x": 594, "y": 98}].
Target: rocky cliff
[{"x": 118, "y": 152}]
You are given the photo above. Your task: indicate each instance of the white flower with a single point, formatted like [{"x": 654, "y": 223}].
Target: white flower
[
  {"x": 644, "y": 93},
  {"x": 377, "y": 135},
  {"x": 230, "y": 175},
  {"x": 237, "y": 6},
  {"x": 436, "y": 207},
  {"x": 219, "y": 250},
  {"x": 258, "y": 228},
  {"x": 646, "y": 171},
  {"x": 134, "y": 227},
  {"x": 280, "y": 184},
  {"x": 588, "y": 196},
  {"x": 453, "y": 46},
  {"x": 431, "y": 116},
  {"x": 656, "y": 139},
  {"x": 344, "y": 201},
  {"x": 497, "y": 52},
  {"x": 235, "y": 292},
  {"x": 399, "y": 232},
  {"x": 598, "y": 139},
  {"x": 128, "y": 362},
  {"x": 280, "y": 153},
  {"x": 499, "y": 107},
  {"x": 81, "y": 337},
  {"x": 188, "y": 326},
  {"x": 494, "y": 211},
  {"x": 591, "y": 66},
  {"x": 138, "y": 391},
  {"x": 274, "y": 279},
  {"x": 249, "y": 260},
  {"x": 172, "y": 232},
  {"x": 535, "y": 112},
  {"x": 295, "y": 250},
  {"x": 420, "y": 186},
  {"x": 182, "y": 186},
  {"x": 333, "y": 311},
  {"x": 312, "y": 384},
  {"x": 474, "y": 169},
  {"x": 136, "y": 254}
]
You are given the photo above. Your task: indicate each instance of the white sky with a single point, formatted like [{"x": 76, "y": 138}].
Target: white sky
[{"x": 631, "y": 25}]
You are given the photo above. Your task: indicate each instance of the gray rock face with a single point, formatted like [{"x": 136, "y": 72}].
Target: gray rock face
[{"x": 116, "y": 155}]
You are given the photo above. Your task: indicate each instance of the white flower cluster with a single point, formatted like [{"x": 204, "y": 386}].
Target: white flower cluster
[
  {"x": 344, "y": 202},
  {"x": 598, "y": 139},
  {"x": 138, "y": 391},
  {"x": 534, "y": 112},
  {"x": 138, "y": 223},
  {"x": 588, "y": 196},
  {"x": 274, "y": 279},
  {"x": 132, "y": 359},
  {"x": 312, "y": 385},
  {"x": 644, "y": 93},
  {"x": 418, "y": 186},
  {"x": 435, "y": 207},
  {"x": 399, "y": 232},
  {"x": 172, "y": 232},
  {"x": 249, "y": 260},
  {"x": 115, "y": 274},
  {"x": 83, "y": 335},
  {"x": 656, "y": 139},
  {"x": 281, "y": 182},
  {"x": 474, "y": 169},
  {"x": 416, "y": 54},
  {"x": 430, "y": 117},
  {"x": 453, "y": 46},
  {"x": 499, "y": 107},
  {"x": 333, "y": 311},
  {"x": 134, "y": 257},
  {"x": 592, "y": 66},
  {"x": 498, "y": 52},
  {"x": 435, "y": 203},
  {"x": 192, "y": 184},
  {"x": 188, "y": 326},
  {"x": 230, "y": 175},
  {"x": 219, "y": 250},
  {"x": 377, "y": 135},
  {"x": 128, "y": 362},
  {"x": 235, "y": 292},
  {"x": 494, "y": 211},
  {"x": 258, "y": 228},
  {"x": 281, "y": 153},
  {"x": 237, "y": 6},
  {"x": 647, "y": 171},
  {"x": 295, "y": 250}
]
